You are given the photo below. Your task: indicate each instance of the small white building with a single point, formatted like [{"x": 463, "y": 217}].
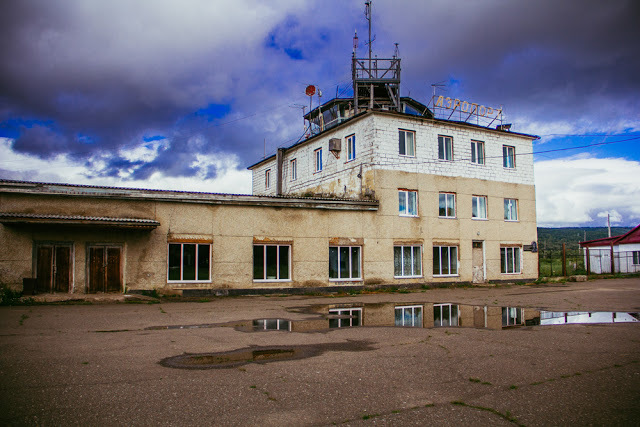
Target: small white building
[{"x": 624, "y": 249}]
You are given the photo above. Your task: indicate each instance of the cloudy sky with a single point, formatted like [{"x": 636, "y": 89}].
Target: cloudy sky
[{"x": 186, "y": 94}]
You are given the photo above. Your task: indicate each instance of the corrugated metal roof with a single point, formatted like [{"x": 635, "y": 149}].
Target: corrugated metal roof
[{"x": 30, "y": 218}]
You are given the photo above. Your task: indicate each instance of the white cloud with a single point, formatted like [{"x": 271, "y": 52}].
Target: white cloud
[{"x": 578, "y": 190}]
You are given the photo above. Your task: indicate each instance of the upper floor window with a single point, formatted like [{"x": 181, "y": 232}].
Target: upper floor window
[
  {"x": 267, "y": 178},
  {"x": 344, "y": 263},
  {"x": 510, "y": 209},
  {"x": 408, "y": 202},
  {"x": 479, "y": 207},
  {"x": 271, "y": 262},
  {"x": 477, "y": 152},
  {"x": 189, "y": 262},
  {"x": 407, "y": 142},
  {"x": 351, "y": 147},
  {"x": 447, "y": 205},
  {"x": 318, "y": 160},
  {"x": 445, "y": 147},
  {"x": 293, "y": 169},
  {"x": 508, "y": 156}
]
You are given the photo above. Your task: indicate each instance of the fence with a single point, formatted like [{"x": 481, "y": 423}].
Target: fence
[{"x": 569, "y": 263}]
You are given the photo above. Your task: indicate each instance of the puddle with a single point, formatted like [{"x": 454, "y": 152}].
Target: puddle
[
  {"x": 260, "y": 355},
  {"x": 586, "y": 317}
]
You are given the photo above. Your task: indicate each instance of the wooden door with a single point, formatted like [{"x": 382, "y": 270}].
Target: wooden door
[
  {"x": 53, "y": 268},
  {"x": 477, "y": 261},
  {"x": 105, "y": 269}
]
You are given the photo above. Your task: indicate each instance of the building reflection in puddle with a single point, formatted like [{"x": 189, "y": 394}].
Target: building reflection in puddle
[{"x": 582, "y": 317}]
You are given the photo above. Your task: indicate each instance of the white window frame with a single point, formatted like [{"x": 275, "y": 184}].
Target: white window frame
[
  {"x": 267, "y": 179},
  {"x": 413, "y": 258},
  {"x": 293, "y": 169},
  {"x": 404, "y": 196},
  {"x": 511, "y": 209},
  {"x": 510, "y": 264},
  {"x": 508, "y": 156},
  {"x": 317, "y": 153},
  {"x": 449, "y": 198},
  {"x": 477, "y": 152},
  {"x": 278, "y": 277},
  {"x": 511, "y": 313},
  {"x": 405, "y": 147},
  {"x": 440, "y": 322},
  {"x": 272, "y": 325},
  {"x": 345, "y": 323},
  {"x": 351, "y": 278},
  {"x": 350, "y": 142},
  {"x": 198, "y": 248},
  {"x": 451, "y": 261},
  {"x": 476, "y": 204},
  {"x": 416, "y": 319},
  {"x": 445, "y": 147}
]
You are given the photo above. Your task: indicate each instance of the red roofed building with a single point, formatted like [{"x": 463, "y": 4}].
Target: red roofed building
[{"x": 624, "y": 249}]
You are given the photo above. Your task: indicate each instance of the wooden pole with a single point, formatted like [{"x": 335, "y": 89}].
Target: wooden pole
[
  {"x": 588, "y": 261},
  {"x": 564, "y": 259},
  {"x": 613, "y": 262}
]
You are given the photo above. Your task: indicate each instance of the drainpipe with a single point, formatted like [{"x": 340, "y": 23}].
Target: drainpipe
[{"x": 279, "y": 163}]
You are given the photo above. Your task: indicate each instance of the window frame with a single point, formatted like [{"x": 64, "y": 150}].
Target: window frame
[
  {"x": 442, "y": 148},
  {"x": 508, "y": 157},
  {"x": 317, "y": 162},
  {"x": 402, "y": 142},
  {"x": 516, "y": 260},
  {"x": 196, "y": 266},
  {"x": 512, "y": 207},
  {"x": 635, "y": 257},
  {"x": 350, "y": 266},
  {"x": 267, "y": 179},
  {"x": 350, "y": 143},
  {"x": 340, "y": 311},
  {"x": 415, "y": 323},
  {"x": 476, "y": 199},
  {"x": 265, "y": 262},
  {"x": 439, "y": 323},
  {"x": 477, "y": 152},
  {"x": 506, "y": 316},
  {"x": 449, "y": 259},
  {"x": 407, "y": 194},
  {"x": 293, "y": 169},
  {"x": 446, "y": 204},
  {"x": 413, "y": 258}
]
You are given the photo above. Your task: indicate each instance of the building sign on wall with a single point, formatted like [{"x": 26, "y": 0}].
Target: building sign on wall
[{"x": 470, "y": 109}]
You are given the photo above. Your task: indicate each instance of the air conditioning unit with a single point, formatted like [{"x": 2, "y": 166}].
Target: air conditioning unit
[{"x": 335, "y": 145}]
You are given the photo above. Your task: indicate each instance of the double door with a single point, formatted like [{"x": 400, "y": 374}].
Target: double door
[
  {"x": 54, "y": 266},
  {"x": 105, "y": 269}
]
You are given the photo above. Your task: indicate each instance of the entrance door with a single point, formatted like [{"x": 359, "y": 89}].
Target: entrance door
[
  {"x": 477, "y": 260},
  {"x": 53, "y": 268},
  {"x": 105, "y": 269}
]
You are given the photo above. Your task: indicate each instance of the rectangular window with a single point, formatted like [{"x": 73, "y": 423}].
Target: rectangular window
[
  {"x": 408, "y": 203},
  {"x": 410, "y": 315},
  {"x": 445, "y": 147},
  {"x": 267, "y": 178},
  {"x": 510, "y": 209},
  {"x": 510, "y": 260},
  {"x": 407, "y": 142},
  {"x": 189, "y": 262},
  {"x": 477, "y": 152},
  {"x": 445, "y": 315},
  {"x": 636, "y": 257},
  {"x": 508, "y": 156},
  {"x": 344, "y": 263},
  {"x": 318, "y": 160},
  {"x": 271, "y": 262},
  {"x": 479, "y": 207},
  {"x": 345, "y": 317},
  {"x": 447, "y": 205},
  {"x": 445, "y": 260},
  {"x": 512, "y": 316},
  {"x": 407, "y": 261},
  {"x": 293, "y": 169},
  {"x": 351, "y": 147},
  {"x": 271, "y": 325}
]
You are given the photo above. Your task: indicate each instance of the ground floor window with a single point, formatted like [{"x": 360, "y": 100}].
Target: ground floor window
[
  {"x": 344, "y": 263},
  {"x": 410, "y": 315},
  {"x": 510, "y": 260},
  {"x": 445, "y": 260},
  {"x": 445, "y": 315},
  {"x": 271, "y": 262},
  {"x": 512, "y": 316},
  {"x": 407, "y": 261},
  {"x": 345, "y": 317},
  {"x": 272, "y": 325},
  {"x": 636, "y": 257},
  {"x": 189, "y": 262}
]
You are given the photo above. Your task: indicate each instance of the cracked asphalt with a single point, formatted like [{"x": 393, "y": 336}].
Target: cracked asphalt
[{"x": 98, "y": 364}]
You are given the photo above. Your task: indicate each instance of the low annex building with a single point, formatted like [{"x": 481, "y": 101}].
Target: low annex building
[
  {"x": 620, "y": 254},
  {"x": 380, "y": 192}
]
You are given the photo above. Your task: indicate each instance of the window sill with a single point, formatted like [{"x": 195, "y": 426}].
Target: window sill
[
  {"x": 409, "y": 216},
  {"x": 407, "y": 155},
  {"x": 346, "y": 280},
  {"x": 177, "y": 282},
  {"x": 512, "y": 274},
  {"x": 445, "y": 160},
  {"x": 320, "y": 171},
  {"x": 408, "y": 277},
  {"x": 271, "y": 280},
  {"x": 511, "y": 220},
  {"x": 446, "y": 275},
  {"x": 477, "y": 164},
  {"x": 480, "y": 219},
  {"x": 448, "y": 217}
]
